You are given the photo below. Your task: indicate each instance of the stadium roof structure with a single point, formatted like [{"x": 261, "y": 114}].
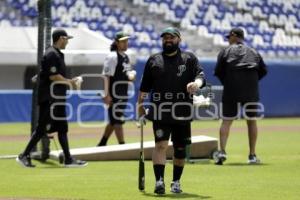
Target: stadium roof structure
[{"x": 18, "y": 46}]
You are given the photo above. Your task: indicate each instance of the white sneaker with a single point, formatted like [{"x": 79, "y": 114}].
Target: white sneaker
[
  {"x": 220, "y": 158},
  {"x": 75, "y": 163},
  {"x": 175, "y": 187},
  {"x": 160, "y": 187},
  {"x": 252, "y": 159}
]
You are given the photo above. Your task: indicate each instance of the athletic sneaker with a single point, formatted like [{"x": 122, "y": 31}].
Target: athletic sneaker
[
  {"x": 75, "y": 163},
  {"x": 252, "y": 159},
  {"x": 25, "y": 161},
  {"x": 160, "y": 187},
  {"x": 175, "y": 187},
  {"x": 220, "y": 158}
]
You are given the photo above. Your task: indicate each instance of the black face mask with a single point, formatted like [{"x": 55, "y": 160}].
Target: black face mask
[{"x": 170, "y": 48}]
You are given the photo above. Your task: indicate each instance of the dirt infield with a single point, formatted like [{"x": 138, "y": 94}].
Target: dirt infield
[
  {"x": 80, "y": 133},
  {"x": 21, "y": 198}
]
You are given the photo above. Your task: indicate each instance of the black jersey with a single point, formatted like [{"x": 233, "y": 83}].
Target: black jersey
[
  {"x": 166, "y": 79},
  {"x": 52, "y": 63},
  {"x": 239, "y": 68},
  {"x": 115, "y": 66}
]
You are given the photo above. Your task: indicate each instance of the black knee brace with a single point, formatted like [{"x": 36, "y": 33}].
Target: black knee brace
[{"x": 179, "y": 153}]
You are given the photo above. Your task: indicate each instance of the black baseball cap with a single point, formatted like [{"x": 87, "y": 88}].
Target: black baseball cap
[
  {"x": 119, "y": 36},
  {"x": 170, "y": 30},
  {"x": 60, "y": 32},
  {"x": 238, "y": 32}
]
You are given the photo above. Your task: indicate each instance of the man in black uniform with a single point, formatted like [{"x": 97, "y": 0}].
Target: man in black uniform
[
  {"x": 52, "y": 98},
  {"x": 170, "y": 77},
  {"x": 119, "y": 72},
  {"x": 239, "y": 68}
]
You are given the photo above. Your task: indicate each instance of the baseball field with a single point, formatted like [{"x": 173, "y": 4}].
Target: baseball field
[{"x": 277, "y": 178}]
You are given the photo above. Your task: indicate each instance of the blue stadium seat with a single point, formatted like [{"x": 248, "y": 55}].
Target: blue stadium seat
[
  {"x": 154, "y": 36},
  {"x": 69, "y": 3},
  {"x": 180, "y": 12},
  {"x": 107, "y": 11},
  {"x": 138, "y": 27},
  {"x": 90, "y": 3},
  {"x": 269, "y": 24},
  {"x": 133, "y": 20},
  {"x": 94, "y": 25},
  {"x": 2, "y": 16},
  {"x": 188, "y": 1}
]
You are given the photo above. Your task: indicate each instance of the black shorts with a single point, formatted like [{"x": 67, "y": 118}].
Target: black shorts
[
  {"x": 52, "y": 117},
  {"x": 116, "y": 112},
  {"x": 180, "y": 133},
  {"x": 234, "y": 110}
]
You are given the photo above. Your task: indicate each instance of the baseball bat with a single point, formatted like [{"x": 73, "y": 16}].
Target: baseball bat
[{"x": 141, "y": 159}]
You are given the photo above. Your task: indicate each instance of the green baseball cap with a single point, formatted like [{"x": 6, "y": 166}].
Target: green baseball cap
[
  {"x": 119, "y": 36},
  {"x": 170, "y": 30}
]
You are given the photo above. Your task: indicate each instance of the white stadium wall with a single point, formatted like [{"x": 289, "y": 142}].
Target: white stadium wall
[{"x": 18, "y": 50}]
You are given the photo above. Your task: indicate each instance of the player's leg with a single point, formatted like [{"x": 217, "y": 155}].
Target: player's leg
[
  {"x": 62, "y": 130},
  {"x": 159, "y": 158},
  {"x": 69, "y": 161},
  {"x": 252, "y": 135},
  {"x": 161, "y": 134},
  {"x": 44, "y": 120},
  {"x": 252, "y": 132},
  {"x": 178, "y": 165},
  {"x": 229, "y": 112},
  {"x": 224, "y": 133},
  {"x": 107, "y": 133},
  {"x": 181, "y": 136},
  {"x": 60, "y": 125},
  {"x": 118, "y": 111},
  {"x": 159, "y": 161},
  {"x": 108, "y": 129},
  {"x": 119, "y": 133}
]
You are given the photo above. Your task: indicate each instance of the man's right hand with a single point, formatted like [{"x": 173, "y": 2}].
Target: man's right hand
[
  {"x": 141, "y": 111},
  {"x": 140, "y": 108},
  {"x": 76, "y": 82},
  {"x": 141, "y": 114}
]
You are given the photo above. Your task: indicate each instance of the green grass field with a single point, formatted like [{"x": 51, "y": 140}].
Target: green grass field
[{"x": 278, "y": 178}]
